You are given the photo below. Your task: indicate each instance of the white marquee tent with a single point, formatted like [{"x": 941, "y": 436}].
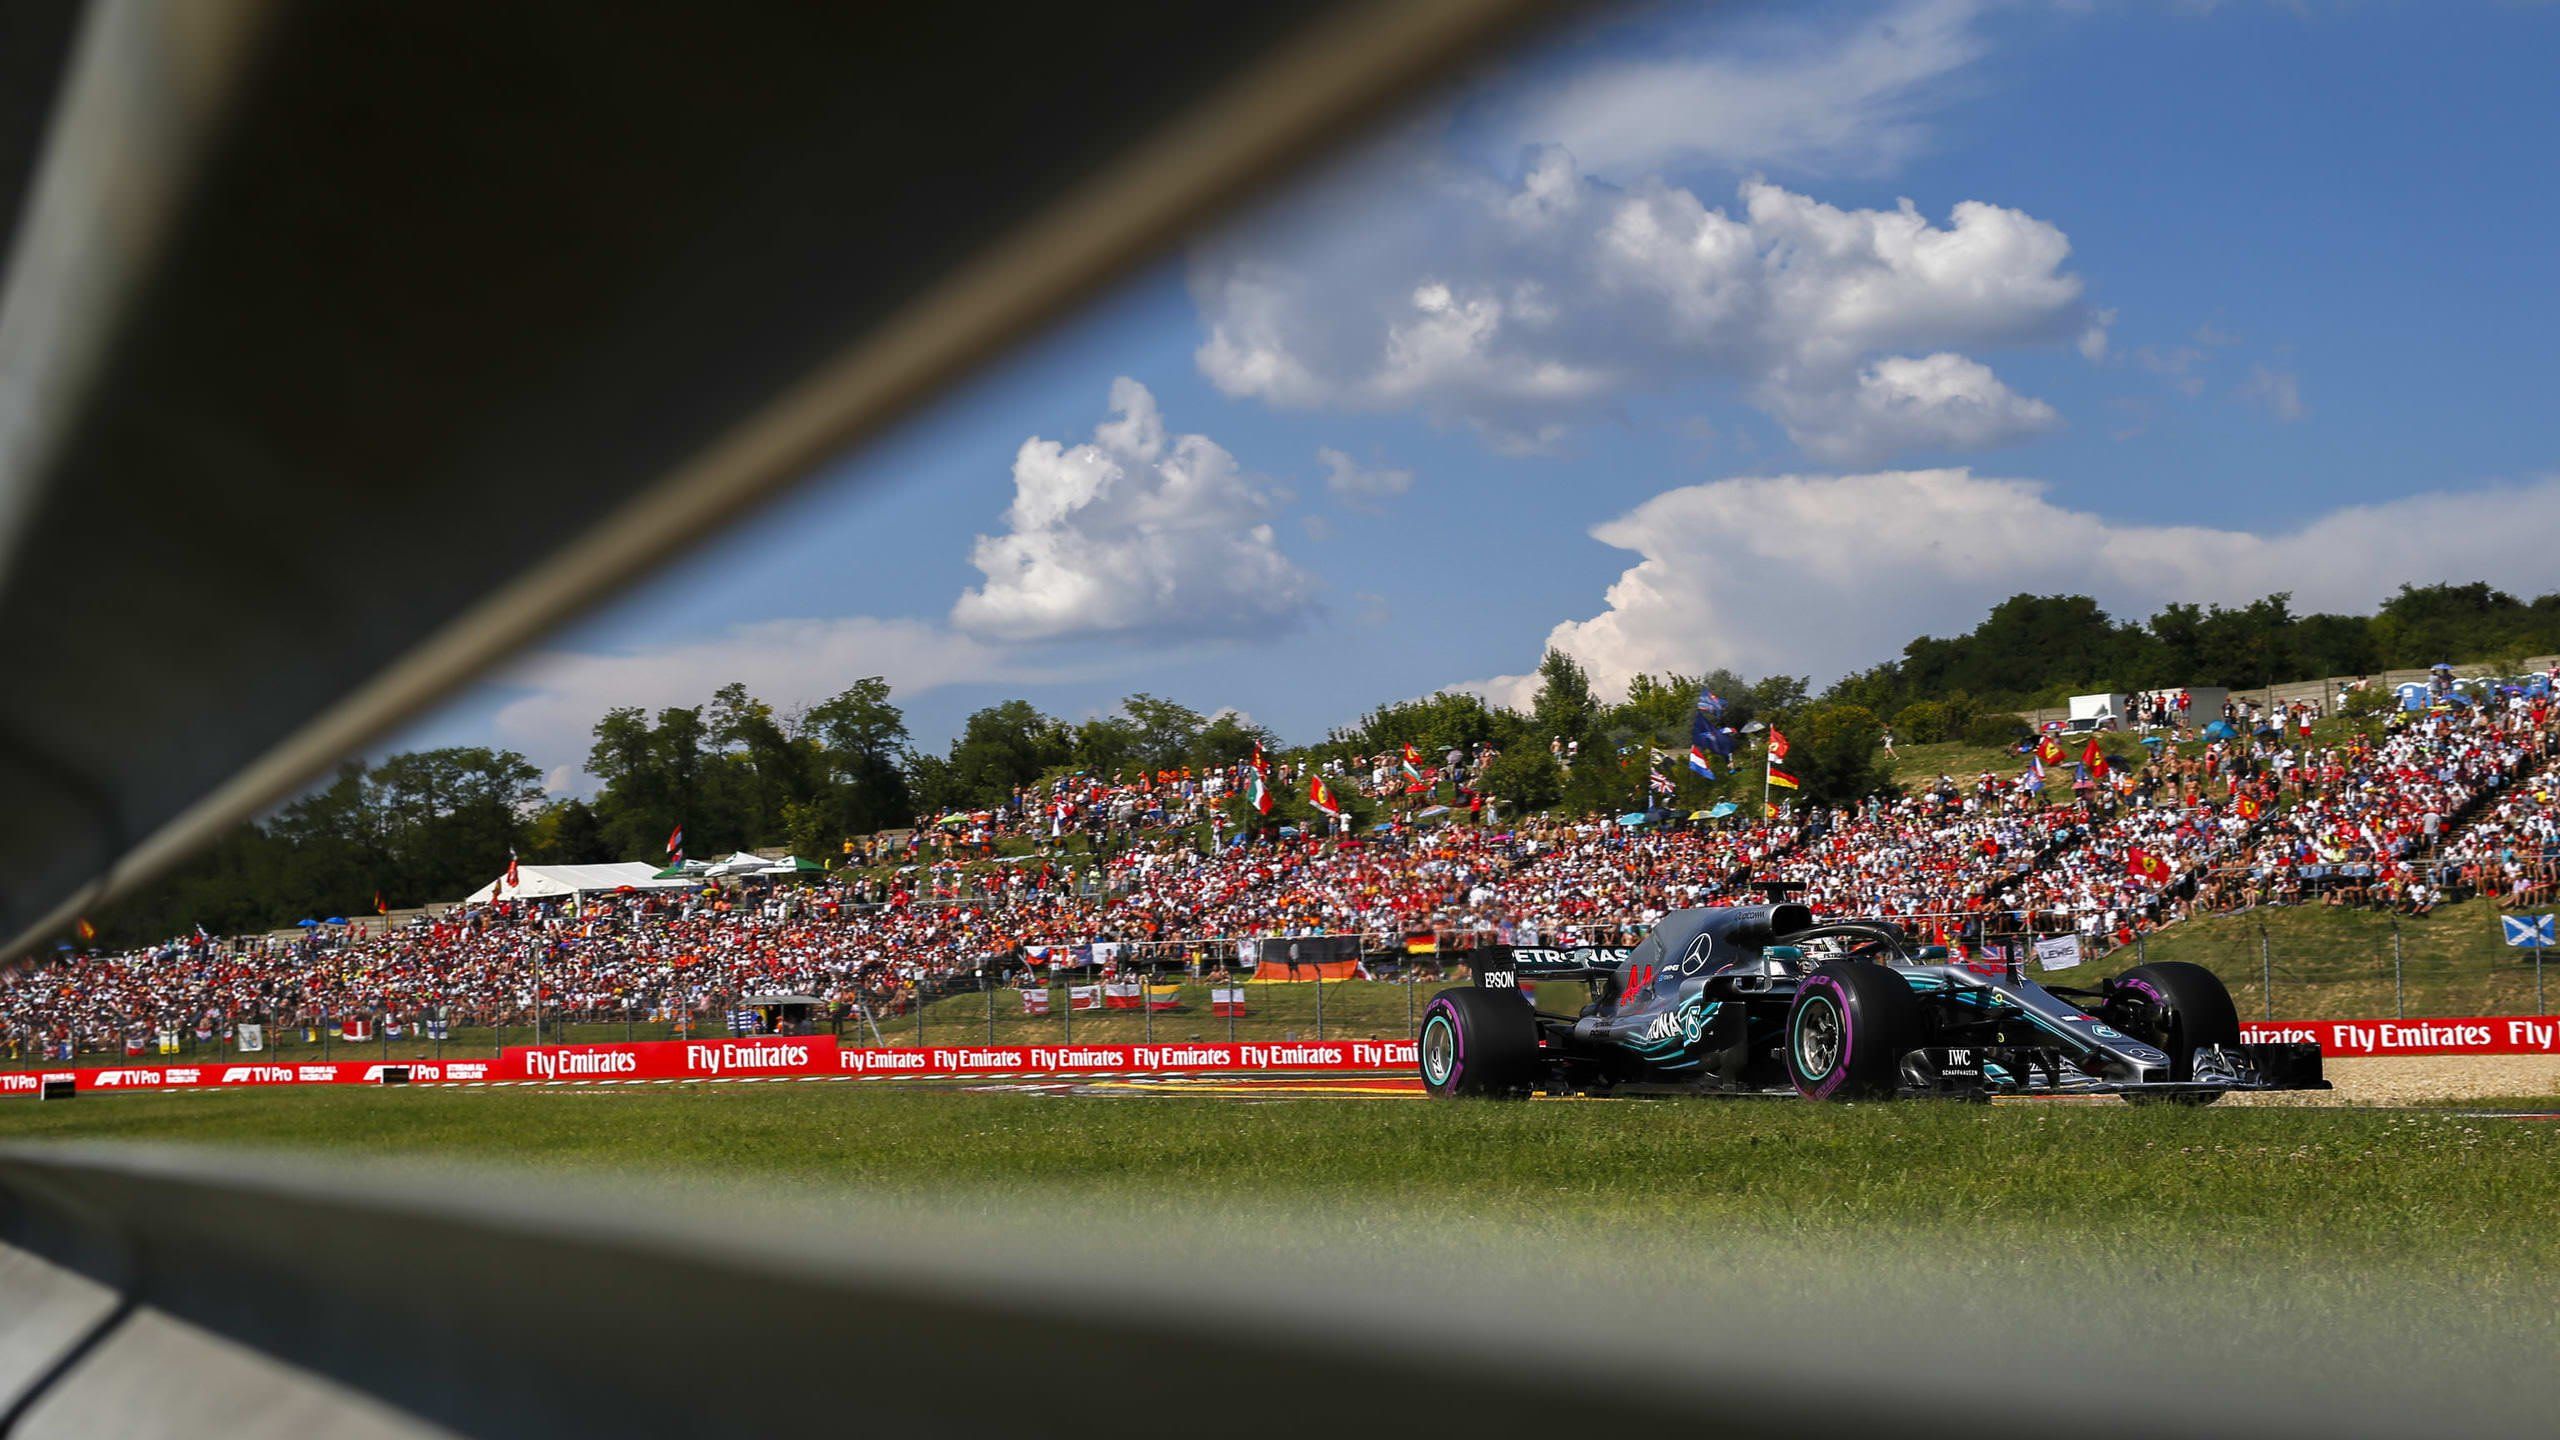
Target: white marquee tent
[{"x": 551, "y": 882}]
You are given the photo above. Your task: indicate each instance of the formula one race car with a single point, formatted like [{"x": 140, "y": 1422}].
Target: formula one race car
[{"x": 1766, "y": 1000}]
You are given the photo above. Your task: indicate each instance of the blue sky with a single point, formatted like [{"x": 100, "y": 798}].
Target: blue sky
[{"x": 1630, "y": 346}]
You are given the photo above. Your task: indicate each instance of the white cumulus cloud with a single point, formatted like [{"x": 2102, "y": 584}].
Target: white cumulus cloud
[
  {"x": 1937, "y": 402},
  {"x": 1135, "y": 533},
  {"x": 1362, "y": 487},
  {"x": 1518, "y": 308},
  {"x": 1823, "y": 574},
  {"x": 2278, "y": 392},
  {"x": 1821, "y": 96}
]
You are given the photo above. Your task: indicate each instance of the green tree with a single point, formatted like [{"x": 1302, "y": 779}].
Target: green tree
[
  {"x": 860, "y": 736},
  {"x": 1002, "y": 747},
  {"x": 1836, "y": 750},
  {"x": 1166, "y": 732},
  {"x": 1525, "y": 779}
]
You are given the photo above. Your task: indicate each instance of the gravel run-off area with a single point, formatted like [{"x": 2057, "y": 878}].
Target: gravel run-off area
[{"x": 2425, "y": 1080}]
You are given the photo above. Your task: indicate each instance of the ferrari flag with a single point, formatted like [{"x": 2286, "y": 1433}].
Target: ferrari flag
[
  {"x": 1321, "y": 797},
  {"x": 2145, "y": 865}
]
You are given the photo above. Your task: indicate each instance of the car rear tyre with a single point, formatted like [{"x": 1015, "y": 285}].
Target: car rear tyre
[
  {"x": 1478, "y": 1042},
  {"x": 2175, "y": 1007},
  {"x": 1848, "y": 1030}
]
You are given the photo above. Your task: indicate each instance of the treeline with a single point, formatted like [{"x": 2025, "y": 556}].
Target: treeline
[
  {"x": 737, "y": 774},
  {"x": 2037, "y": 650}
]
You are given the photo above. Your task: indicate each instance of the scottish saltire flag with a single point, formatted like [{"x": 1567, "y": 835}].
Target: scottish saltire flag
[{"x": 2532, "y": 931}]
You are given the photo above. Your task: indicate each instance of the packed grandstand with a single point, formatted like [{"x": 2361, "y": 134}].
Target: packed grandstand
[{"x": 2447, "y": 801}]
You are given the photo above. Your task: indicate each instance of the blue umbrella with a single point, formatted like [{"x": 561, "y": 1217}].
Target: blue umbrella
[
  {"x": 335, "y": 920},
  {"x": 307, "y": 923},
  {"x": 1722, "y": 809}
]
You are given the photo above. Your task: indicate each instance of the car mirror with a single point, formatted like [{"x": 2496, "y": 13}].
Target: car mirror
[
  {"x": 1784, "y": 952},
  {"x": 1930, "y": 952}
]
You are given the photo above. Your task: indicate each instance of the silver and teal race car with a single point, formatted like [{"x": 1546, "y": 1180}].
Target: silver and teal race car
[{"x": 1768, "y": 1000}]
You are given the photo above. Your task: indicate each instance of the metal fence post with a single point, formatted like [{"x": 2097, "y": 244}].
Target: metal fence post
[
  {"x": 988, "y": 983},
  {"x": 1319, "y": 1001},
  {"x": 1147, "y": 1003},
  {"x": 1064, "y": 997},
  {"x": 2399, "y": 982},
  {"x": 2266, "y": 971},
  {"x": 919, "y": 1012}
]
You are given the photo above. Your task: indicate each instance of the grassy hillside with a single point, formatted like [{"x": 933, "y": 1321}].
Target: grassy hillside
[{"x": 2336, "y": 963}]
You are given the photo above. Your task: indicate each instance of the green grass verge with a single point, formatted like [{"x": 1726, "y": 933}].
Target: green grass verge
[{"x": 2260, "y": 1198}]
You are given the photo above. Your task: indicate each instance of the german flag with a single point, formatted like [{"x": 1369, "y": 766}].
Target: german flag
[
  {"x": 1781, "y": 780},
  {"x": 1422, "y": 942}
]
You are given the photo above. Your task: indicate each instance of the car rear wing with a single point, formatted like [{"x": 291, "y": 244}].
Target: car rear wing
[{"x": 1506, "y": 967}]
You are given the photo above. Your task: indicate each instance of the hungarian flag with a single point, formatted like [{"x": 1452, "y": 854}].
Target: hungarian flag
[
  {"x": 2049, "y": 750},
  {"x": 2145, "y": 865},
  {"x": 2096, "y": 760},
  {"x": 1780, "y": 779},
  {"x": 1777, "y": 744},
  {"x": 1412, "y": 763},
  {"x": 1321, "y": 797},
  {"x": 2249, "y": 808},
  {"x": 675, "y": 845}
]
